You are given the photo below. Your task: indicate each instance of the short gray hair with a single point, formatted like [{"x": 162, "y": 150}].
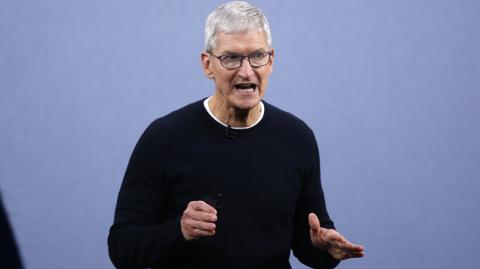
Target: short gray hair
[{"x": 233, "y": 17}]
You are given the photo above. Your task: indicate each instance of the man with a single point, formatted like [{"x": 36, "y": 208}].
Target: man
[
  {"x": 9, "y": 256},
  {"x": 229, "y": 181}
]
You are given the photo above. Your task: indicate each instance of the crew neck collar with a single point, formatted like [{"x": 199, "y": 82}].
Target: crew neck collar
[{"x": 262, "y": 111}]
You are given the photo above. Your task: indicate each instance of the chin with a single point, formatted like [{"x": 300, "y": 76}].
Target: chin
[
  {"x": 246, "y": 104},
  {"x": 245, "y": 101}
]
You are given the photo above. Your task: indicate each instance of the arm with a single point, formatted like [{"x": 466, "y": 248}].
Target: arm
[
  {"x": 311, "y": 199},
  {"x": 141, "y": 235},
  {"x": 315, "y": 241},
  {"x": 145, "y": 233}
]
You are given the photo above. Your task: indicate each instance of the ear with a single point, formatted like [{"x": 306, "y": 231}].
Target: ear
[
  {"x": 206, "y": 65},
  {"x": 271, "y": 60}
]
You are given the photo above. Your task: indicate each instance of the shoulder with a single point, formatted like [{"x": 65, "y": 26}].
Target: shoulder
[
  {"x": 292, "y": 133},
  {"x": 177, "y": 123},
  {"x": 286, "y": 121},
  {"x": 179, "y": 118}
]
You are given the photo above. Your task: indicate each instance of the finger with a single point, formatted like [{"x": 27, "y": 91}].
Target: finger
[
  {"x": 356, "y": 254},
  {"x": 202, "y": 233},
  {"x": 343, "y": 243},
  {"x": 343, "y": 255},
  {"x": 192, "y": 234},
  {"x": 192, "y": 224},
  {"x": 330, "y": 236},
  {"x": 335, "y": 237},
  {"x": 352, "y": 247},
  {"x": 348, "y": 255},
  {"x": 202, "y": 206},
  {"x": 200, "y": 215},
  {"x": 313, "y": 222}
]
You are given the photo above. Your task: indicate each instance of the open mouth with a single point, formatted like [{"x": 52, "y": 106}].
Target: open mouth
[{"x": 246, "y": 87}]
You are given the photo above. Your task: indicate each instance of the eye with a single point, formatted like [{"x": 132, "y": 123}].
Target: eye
[
  {"x": 258, "y": 56},
  {"x": 231, "y": 58}
]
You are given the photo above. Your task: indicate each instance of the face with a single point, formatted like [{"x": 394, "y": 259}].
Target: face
[{"x": 244, "y": 87}]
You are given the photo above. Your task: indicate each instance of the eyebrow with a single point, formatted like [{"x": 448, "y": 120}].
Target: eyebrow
[{"x": 227, "y": 52}]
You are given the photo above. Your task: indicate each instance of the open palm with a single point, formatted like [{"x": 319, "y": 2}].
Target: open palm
[{"x": 332, "y": 241}]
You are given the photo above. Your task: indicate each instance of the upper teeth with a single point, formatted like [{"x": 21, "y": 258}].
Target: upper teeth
[{"x": 246, "y": 86}]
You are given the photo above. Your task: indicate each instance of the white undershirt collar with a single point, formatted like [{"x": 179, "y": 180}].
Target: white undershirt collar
[{"x": 262, "y": 111}]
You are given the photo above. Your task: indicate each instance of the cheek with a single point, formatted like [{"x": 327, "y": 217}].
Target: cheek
[
  {"x": 226, "y": 79},
  {"x": 264, "y": 85},
  {"x": 223, "y": 82},
  {"x": 264, "y": 79}
]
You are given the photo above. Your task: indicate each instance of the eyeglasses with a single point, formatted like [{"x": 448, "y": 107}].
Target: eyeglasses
[{"x": 233, "y": 61}]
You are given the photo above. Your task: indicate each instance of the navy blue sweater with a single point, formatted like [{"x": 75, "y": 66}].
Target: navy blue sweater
[
  {"x": 269, "y": 178},
  {"x": 9, "y": 257}
]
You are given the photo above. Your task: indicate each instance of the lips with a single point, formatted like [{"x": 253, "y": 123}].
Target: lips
[{"x": 246, "y": 87}]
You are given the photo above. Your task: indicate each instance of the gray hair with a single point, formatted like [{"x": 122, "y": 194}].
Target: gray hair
[{"x": 234, "y": 17}]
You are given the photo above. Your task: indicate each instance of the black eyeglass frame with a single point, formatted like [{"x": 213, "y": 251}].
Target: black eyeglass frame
[{"x": 221, "y": 57}]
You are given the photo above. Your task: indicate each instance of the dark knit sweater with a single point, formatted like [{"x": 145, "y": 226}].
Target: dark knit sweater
[
  {"x": 269, "y": 177},
  {"x": 9, "y": 257}
]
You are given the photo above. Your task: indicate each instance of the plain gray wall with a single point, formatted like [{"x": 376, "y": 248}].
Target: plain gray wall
[{"x": 391, "y": 89}]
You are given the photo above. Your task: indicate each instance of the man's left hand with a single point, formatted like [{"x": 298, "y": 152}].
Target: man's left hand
[{"x": 332, "y": 241}]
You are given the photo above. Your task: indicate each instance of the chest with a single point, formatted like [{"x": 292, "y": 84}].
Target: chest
[{"x": 255, "y": 177}]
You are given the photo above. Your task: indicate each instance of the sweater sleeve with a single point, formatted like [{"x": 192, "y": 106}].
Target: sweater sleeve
[
  {"x": 141, "y": 236},
  {"x": 311, "y": 200}
]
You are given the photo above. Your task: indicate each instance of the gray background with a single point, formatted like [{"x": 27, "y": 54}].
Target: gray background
[{"x": 391, "y": 89}]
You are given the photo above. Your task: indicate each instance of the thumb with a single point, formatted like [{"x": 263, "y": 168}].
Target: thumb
[{"x": 313, "y": 221}]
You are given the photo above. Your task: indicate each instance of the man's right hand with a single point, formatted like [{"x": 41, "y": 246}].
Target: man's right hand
[{"x": 198, "y": 220}]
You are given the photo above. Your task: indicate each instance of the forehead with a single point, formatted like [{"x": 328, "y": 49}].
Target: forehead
[{"x": 241, "y": 42}]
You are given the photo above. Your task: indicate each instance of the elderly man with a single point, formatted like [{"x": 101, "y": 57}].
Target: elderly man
[{"x": 229, "y": 181}]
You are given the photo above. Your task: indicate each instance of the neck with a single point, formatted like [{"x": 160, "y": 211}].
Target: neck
[{"x": 233, "y": 116}]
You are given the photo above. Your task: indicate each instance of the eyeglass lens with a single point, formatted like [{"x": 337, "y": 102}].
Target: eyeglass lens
[{"x": 255, "y": 60}]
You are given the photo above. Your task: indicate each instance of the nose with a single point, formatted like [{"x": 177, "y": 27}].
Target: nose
[{"x": 246, "y": 70}]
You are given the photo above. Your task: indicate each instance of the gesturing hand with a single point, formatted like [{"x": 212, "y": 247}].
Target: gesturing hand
[
  {"x": 198, "y": 220},
  {"x": 332, "y": 241}
]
